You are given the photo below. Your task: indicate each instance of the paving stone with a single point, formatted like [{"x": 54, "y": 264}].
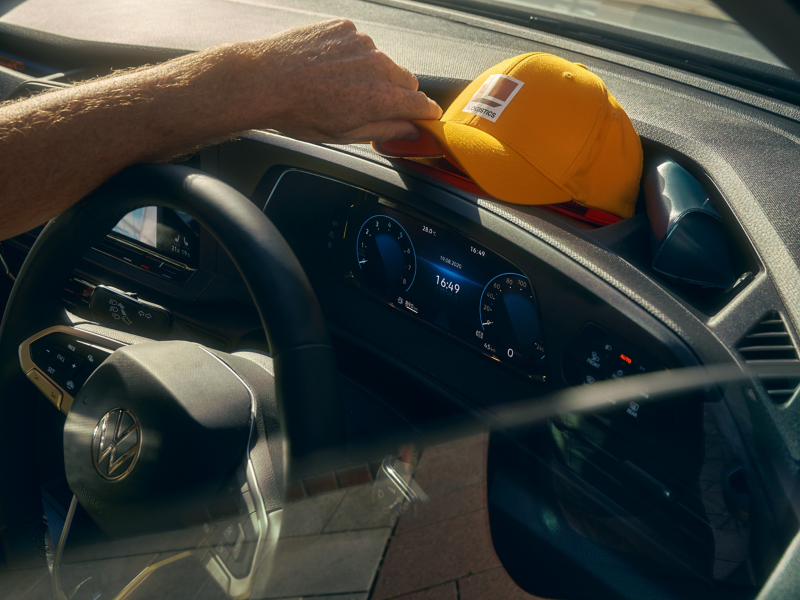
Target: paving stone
[
  {"x": 724, "y": 569},
  {"x": 335, "y": 563},
  {"x": 295, "y": 491},
  {"x": 464, "y": 447},
  {"x": 309, "y": 515},
  {"x": 714, "y": 503},
  {"x": 211, "y": 591},
  {"x": 357, "y": 511},
  {"x": 339, "y": 597},
  {"x": 354, "y": 476},
  {"x": 712, "y": 470},
  {"x": 323, "y": 483},
  {"x": 448, "y": 591},
  {"x": 179, "y": 580},
  {"x": 495, "y": 584},
  {"x": 743, "y": 575},
  {"x": 452, "y": 504},
  {"x": 718, "y": 521},
  {"x": 730, "y": 545},
  {"x": 733, "y": 525},
  {"x": 443, "y": 469},
  {"x": 41, "y": 591},
  {"x": 108, "y": 577},
  {"x": 433, "y": 555},
  {"x": 326, "y": 597},
  {"x": 14, "y": 584},
  {"x": 170, "y": 541}
]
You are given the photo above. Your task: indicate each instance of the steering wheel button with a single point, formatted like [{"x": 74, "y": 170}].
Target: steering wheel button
[
  {"x": 592, "y": 355},
  {"x": 236, "y": 549},
  {"x": 68, "y": 362},
  {"x": 222, "y": 551},
  {"x": 48, "y": 389},
  {"x": 248, "y": 528},
  {"x": 230, "y": 533},
  {"x": 59, "y": 357}
]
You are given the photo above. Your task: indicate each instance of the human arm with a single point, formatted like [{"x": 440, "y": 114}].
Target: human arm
[{"x": 321, "y": 83}]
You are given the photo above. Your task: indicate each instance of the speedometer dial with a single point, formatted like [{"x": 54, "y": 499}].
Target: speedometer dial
[
  {"x": 386, "y": 256},
  {"x": 510, "y": 320}
]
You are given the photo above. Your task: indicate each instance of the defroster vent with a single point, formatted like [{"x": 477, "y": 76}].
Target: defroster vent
[{"x": 769, "y": 344}]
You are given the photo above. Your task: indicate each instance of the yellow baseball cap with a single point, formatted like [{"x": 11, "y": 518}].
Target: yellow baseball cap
[{"x": 537, "y": 129}]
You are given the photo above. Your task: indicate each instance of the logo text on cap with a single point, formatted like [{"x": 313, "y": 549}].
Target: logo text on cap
[{"x": 493, "y": 96}]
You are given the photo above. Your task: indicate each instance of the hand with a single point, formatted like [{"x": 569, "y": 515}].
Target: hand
[{"x": 325, "y": 82}]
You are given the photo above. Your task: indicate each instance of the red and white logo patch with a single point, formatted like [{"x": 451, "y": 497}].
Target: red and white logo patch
[{"x": 493, "y": 96}]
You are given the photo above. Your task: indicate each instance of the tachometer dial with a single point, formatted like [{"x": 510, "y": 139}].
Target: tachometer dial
[
  {"x": 510, "y": 320},
  {"x": 386, "y": 255}
]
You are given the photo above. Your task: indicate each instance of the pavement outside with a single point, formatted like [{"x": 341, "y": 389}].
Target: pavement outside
[{"x": 336, "y": 544}]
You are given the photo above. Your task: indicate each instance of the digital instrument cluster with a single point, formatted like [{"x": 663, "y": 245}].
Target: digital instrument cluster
[
  {"x": 171, "y": 233},
  {"x": 448, "y": 281}
]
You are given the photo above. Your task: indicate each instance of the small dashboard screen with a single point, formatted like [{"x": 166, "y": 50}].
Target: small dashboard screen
[
  {"x": 440, "y": 276},
  {"x": 171, "y": 233}
]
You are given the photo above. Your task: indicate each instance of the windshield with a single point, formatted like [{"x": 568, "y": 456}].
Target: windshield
[
  {"x": 697, "y": 22},
  {"x": 691, "y": 34}
]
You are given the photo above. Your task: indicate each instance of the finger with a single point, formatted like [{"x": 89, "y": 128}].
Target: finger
[
  {"x": 399, "y": 75},
  {"x": 427, "y": 108},
  {"x": 382, "y": 131},
  {"x": 335, "y": 25},
  {"x": 409, "y": 105}
]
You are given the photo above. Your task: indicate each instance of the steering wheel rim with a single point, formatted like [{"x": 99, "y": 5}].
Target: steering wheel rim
[{"x": 304, "y": 361}]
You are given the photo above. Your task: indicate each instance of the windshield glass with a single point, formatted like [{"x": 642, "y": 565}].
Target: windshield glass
[
  {"x": 697, "y": 22},
  {"x": 700, "y": 23}
]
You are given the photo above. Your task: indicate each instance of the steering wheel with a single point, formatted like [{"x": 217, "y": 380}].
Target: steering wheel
[{"x": 158, "y": 427}]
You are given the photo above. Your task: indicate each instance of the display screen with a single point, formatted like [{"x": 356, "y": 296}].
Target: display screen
[
  {"x": 448, "y": 280},
  {"x": 172, "y": 233}
]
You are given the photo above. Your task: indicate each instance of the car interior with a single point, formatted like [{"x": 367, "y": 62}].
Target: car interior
[{"x": 332, "y": 374}]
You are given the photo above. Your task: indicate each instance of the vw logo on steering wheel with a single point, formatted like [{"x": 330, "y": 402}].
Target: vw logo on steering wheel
[{"x": 116, "y": 443}]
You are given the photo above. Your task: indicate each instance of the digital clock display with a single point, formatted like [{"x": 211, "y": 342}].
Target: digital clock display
[{"x": 453, "y": 283}]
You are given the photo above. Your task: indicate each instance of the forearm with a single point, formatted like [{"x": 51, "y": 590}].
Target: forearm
[
  {"x": 324, "y": 82},
  {"x": 58, "y": 147}
]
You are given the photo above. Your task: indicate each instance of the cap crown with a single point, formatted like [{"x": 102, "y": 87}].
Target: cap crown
[{"x": 550, "y": 117}]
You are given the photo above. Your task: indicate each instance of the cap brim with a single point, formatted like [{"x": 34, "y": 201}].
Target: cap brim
[
  {"x": 426, "y": 146},
  {"x": 496, "y": 168}
]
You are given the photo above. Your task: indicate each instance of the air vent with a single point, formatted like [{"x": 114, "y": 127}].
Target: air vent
[{"x": 769, "y": 344}]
